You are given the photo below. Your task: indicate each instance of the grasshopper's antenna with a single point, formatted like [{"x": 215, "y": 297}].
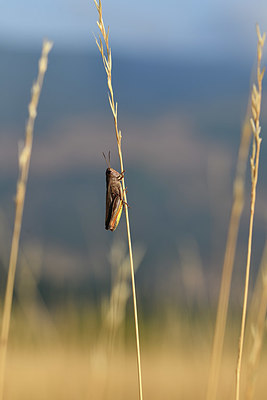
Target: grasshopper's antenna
[{"x": 107, "y": 161}]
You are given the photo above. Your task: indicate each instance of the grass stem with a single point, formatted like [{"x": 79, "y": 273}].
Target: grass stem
[
  {"x": 257, "y": 326},
  {"x": 229, "y": 257},
  {"x": 24, "y": 163},
  {"x": 254, "y": 165},
  {"x": 107, "y": 61}
]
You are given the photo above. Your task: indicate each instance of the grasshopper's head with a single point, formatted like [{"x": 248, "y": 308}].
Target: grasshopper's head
[{"x": 112, "y": 174}]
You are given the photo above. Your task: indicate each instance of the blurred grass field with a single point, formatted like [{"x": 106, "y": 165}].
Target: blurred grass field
[{"x": 67, "y": 356}]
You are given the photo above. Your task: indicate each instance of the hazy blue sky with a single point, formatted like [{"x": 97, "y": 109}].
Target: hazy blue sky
[{"x": 206, "y": 27}]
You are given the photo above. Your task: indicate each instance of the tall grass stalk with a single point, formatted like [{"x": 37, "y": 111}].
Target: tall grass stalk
[
  {"x": 229, "y": 257},
  {"x": 257, "y": 326},
  {"x": 24, "y": 163},
  {"x": 254, "y": 165},
  {"x": 107, "y": 61}
]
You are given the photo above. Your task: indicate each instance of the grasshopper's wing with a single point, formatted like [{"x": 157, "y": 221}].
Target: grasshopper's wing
[{"x": 114, "y": 205}]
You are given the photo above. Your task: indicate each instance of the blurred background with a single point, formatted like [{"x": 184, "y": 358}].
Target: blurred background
[{"x": 182, "y": 75}]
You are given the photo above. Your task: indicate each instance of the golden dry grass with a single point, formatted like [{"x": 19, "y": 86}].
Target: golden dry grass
[
  {"x": 237, "y": 208},
  {"x": 24, "y": 165},
  {"x": 107, "y": 62},
  {"x": 73, "y": 365},
  {"x": 254, "y": 164}
]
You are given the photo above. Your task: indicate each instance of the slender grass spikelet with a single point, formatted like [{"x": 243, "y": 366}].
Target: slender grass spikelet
[
  {"x": 105, "y": 52},
  {"x": 256, "y": 97},
  {"x": 24, "y": 164},
  {"x": 228, "y": 263},
  {"x": 257, "y": 326}
]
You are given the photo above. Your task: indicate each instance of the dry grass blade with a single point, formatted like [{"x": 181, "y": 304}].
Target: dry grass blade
[
  {"x": 237, "y": 208},
  {"x": 107, "y": 61},
  {"x": 257, "y": 326},
  {"x": 24, "y": 163},
  {"x": 254, "y": 165}
]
